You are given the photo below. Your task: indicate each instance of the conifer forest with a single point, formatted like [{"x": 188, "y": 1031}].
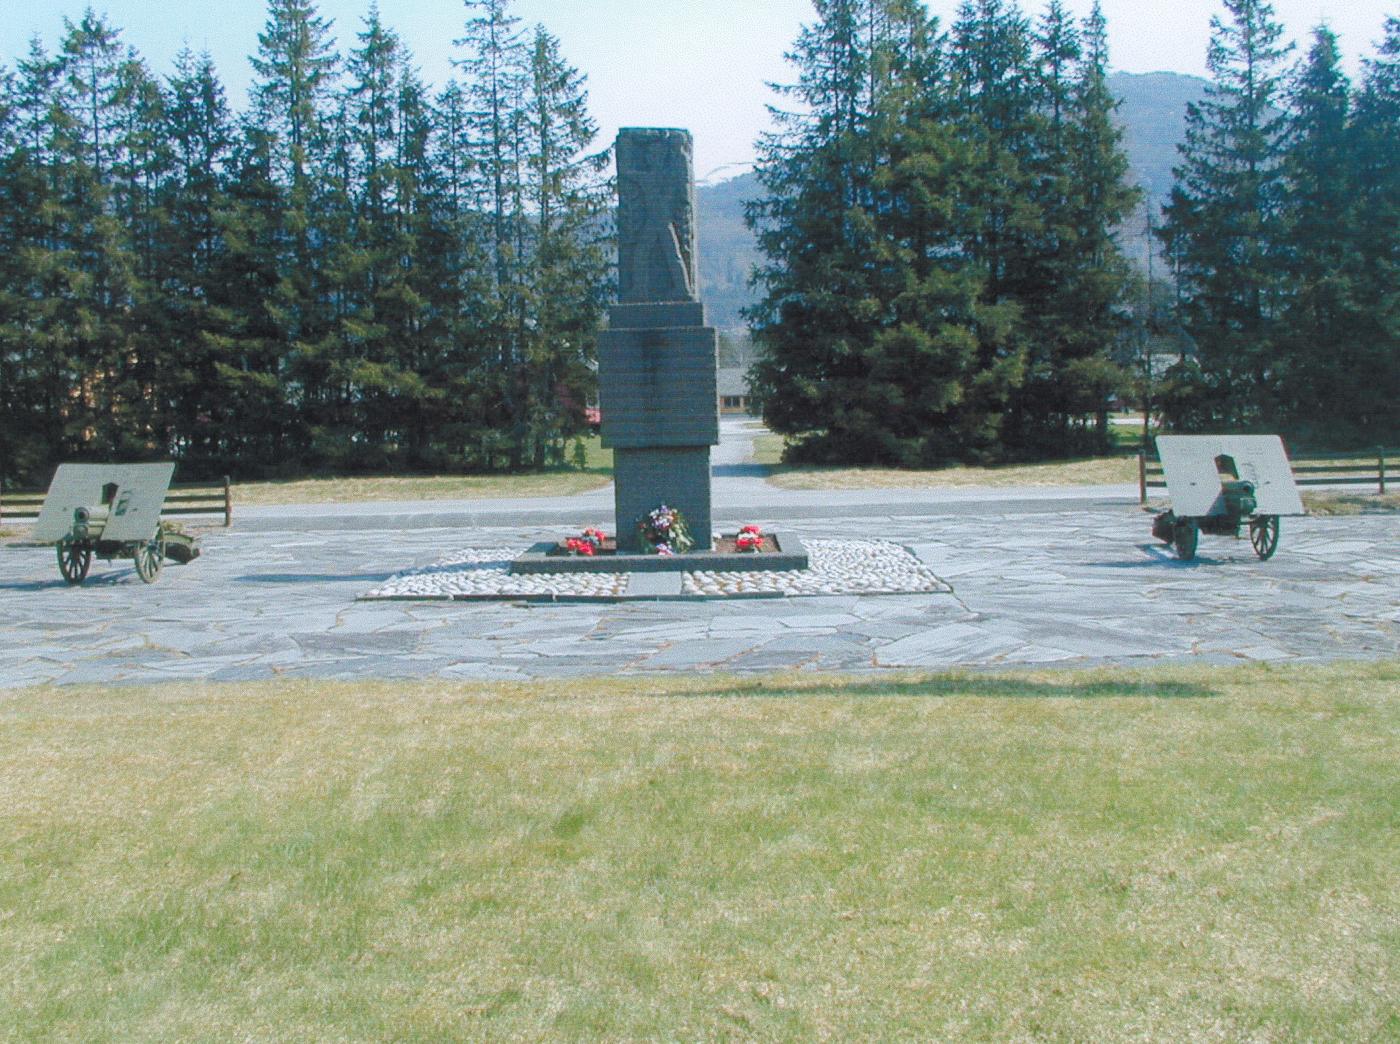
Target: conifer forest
[
  {"x": 943, "y": 278},
  {"x": 360, "y": 271}
]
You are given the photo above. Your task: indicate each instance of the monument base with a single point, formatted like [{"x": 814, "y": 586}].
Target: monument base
[
  {"x": 644, "y": 479},
  {"x": 791, "y": 554}
]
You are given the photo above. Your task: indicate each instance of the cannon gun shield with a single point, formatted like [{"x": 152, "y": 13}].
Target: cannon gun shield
[
  {"x": 1193, "y": 476},
  {"x": 1218, "y": 483},
  {"x": 134, "y": 512}
]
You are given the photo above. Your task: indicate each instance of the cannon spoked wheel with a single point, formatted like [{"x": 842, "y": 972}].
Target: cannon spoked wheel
[
  {"x": 148, "y": 558},
  {"x": 1263, "y": 534},
  {"x": 1184, "y": 536},
  {"x": 73, "y": 561}
]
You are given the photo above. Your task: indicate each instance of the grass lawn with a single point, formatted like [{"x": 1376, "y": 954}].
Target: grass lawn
[
  {"x": 768, "y": 449},
  {"x": 564, "y": 482},
  {"x": 1172, "y": 854}
]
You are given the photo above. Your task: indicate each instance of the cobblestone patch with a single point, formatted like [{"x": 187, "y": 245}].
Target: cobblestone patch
[
  {"x": 838, "y": 567},
  {"x": 485, "y": 573}
]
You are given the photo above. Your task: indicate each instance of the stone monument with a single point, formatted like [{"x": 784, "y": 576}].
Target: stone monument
[{"x": 657, "y": 361}]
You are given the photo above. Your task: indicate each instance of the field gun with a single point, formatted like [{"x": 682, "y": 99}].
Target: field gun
[
  {"x": 110, "y": 512},
  {"x": 1219, "y": 484}
]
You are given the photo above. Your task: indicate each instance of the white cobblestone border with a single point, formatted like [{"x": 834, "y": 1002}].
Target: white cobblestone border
[{"x": 838, "y": 567}]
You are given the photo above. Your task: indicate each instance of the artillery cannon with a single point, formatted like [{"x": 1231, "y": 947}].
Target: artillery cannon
[
  {"x": 1221, "y": 484},
  {"x": 109, "y": 512}
]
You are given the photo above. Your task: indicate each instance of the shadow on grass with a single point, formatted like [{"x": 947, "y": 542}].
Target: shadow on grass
[{"x": 963, "y": 685}]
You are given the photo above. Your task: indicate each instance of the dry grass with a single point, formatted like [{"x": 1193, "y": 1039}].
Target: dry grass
[
  {"x": 1179, "y": 854},
  {"x": 1094, "y": 472},
  {"x": 352, "y": 488},
  {"x": 418, "y": 487},
  {"x": 1351, "y": 503},
  {"x": 1098, "y": 471}
]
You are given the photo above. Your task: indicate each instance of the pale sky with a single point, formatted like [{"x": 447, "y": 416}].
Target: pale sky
[{"x": 699, "y": 64}]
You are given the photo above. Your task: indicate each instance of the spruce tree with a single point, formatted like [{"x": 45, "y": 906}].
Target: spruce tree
[
  {"x": 252, "y": 412},
  {"x": 997, "y": 107},
  {"x": 199, "y": 131},
  {"x": 377, "y": 251},
  {"x": 37, "y": 329},
  {"x": 1376, "y": 128},
  {"x": 88, "y": 142},
  {"x": 15, "y": 389},
  {"x": 1090, "y": 276},
  {"x": 291, "y": 119},
  {"x": 143, "y": 167},
  {"x": 1223, "y": 226},
  {"x": 821, "y": 307},
  {"x": 567, "y": 199},
  {"x": 496, "y": 72},
  {"x": 939, "y": 374},
  {"x": 457, "y": 289},
  {"x": 1321, "y": 370}
]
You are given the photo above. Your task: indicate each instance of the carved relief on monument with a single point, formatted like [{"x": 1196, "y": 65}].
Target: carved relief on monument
[{"x": 655, "y": 216}]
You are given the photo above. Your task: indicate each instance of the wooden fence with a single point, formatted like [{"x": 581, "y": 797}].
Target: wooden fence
[
  {"x": 1323, "y": 469},
  {"x": 205, "y": 500}
]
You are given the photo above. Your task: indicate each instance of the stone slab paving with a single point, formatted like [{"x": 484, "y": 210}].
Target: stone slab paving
[{"x": 1048, "y": 588}]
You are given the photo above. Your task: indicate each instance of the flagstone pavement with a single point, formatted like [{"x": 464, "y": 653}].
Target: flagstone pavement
[{"x": 1030, "y": 585}]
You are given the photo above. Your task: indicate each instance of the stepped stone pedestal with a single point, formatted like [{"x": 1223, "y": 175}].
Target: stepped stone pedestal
[
  {"x": 657, "y": 361},
  {"x": 657, "y": 379}
]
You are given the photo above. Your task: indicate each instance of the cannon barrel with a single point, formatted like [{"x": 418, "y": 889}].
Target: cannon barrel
[
  {"x": 89, "y": 522},
  {"x": 1239, "y": 499}
]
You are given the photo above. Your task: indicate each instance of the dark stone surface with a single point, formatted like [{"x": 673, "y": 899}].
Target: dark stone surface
[
  {"x": 655, "y": 215},
  {"x": 658, "y": 388},
  {"x": 663, "y": 314},
  {"x": 645, "y": 478},
  {"x": 791, "y": 554}
]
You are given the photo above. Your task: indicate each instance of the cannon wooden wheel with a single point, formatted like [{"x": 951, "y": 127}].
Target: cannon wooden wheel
[
  {"x": 1263, "y": 534},
  {"x": 148, "y": 557},
  {"x": 73, "y": 561},
  {"x": 1184, "y": 537}
]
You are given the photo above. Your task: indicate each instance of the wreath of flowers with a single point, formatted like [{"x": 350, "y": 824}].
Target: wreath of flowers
[
  {"x": 750, "y": 539},
  {"x": 663, "y": 531},
  {"x": 589, "y": 543}
]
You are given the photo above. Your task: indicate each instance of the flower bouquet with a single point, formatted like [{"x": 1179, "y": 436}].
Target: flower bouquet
[
  {"x": 664, "y": 532},
  {"x": 750, "y": 539},
  {"x": 589, "y": 543}
]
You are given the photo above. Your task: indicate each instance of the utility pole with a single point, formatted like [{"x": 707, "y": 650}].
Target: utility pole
[{"x": 1146, "y": 330}]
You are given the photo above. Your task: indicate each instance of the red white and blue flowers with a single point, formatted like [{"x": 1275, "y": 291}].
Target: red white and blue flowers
[{"x": 663, "y": 531}]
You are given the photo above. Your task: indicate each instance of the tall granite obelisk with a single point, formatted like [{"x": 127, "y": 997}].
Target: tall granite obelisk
[{"x": 657, "y": 360}]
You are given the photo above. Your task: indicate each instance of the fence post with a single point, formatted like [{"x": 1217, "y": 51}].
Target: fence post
[
  {"x": 1142, "y": 476},
  {"x": 228, "y": 504},
  {"x": 1380, "y": 468}
]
